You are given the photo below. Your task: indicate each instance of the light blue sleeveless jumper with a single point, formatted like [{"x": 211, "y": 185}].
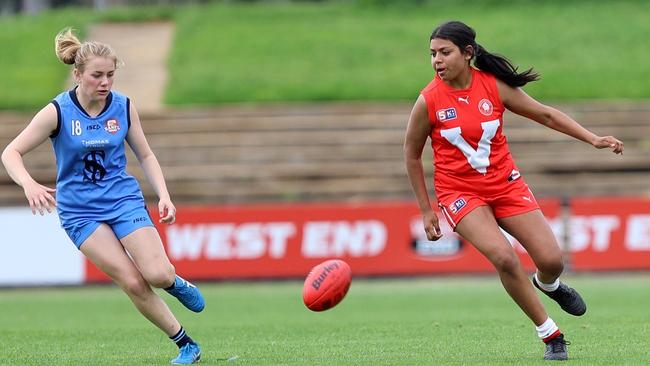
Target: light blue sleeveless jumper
[{"x": 92, "y": 184}]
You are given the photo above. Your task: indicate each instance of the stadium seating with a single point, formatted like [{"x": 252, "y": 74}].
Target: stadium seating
[{"x": 350, "y": 152}]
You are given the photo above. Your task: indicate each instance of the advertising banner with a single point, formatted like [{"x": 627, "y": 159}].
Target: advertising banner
[
  {"x": 610, "y": 233},
  {"x": 286, "y": 241},
  {"x": 282, "y": 241}
]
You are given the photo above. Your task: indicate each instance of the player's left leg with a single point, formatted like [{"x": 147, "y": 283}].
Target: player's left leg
[
  {"x": 534, "y": 233},
  {"x": 146, "y": 248},
  {"x": 104, "y": 249}
]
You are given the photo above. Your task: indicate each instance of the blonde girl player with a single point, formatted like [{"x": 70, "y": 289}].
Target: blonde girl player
[
  {"x": 100, "y": 206},
  {"x": 477, "y": 184}
]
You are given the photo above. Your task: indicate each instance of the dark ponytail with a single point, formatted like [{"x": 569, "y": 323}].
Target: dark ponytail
[
  {"x": 502, "y": 68},
  {"x": 499, "y": 66}
]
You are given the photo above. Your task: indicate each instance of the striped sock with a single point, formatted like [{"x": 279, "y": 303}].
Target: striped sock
[
  {"x": 181, "y": 338},
  {"x": 548, "y": 330}
]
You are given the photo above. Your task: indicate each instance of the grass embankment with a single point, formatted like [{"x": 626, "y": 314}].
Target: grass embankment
[{"x": 270, "y": 52}]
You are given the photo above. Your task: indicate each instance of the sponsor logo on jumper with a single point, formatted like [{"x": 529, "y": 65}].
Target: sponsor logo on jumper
[
  {"x": 93, "y": 127},
  {"x": 465, "y": 100},
  {"x": 446, "y": 114},
  {"x": 94, "y": 143}
]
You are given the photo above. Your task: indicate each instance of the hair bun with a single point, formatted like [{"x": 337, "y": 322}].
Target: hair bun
[{"x": 66, "y": 45}]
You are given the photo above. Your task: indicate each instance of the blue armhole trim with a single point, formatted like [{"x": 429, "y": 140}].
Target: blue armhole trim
[
  {"x": 128, "y": 112},
  {"x": 56, "y": 131}
]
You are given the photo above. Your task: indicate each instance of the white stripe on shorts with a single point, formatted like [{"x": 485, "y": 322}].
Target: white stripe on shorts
[{"x": 447, "y": 216}]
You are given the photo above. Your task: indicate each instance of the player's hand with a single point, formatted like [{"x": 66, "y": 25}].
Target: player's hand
[
  {"x": 608, "y": 142},
  {"x": 167, "y": 211},
  {"x": 39, "y": 197},
  {"x": 431, "y": 225}
]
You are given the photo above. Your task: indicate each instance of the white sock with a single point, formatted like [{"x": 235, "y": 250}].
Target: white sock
[
  {"x": 548, "y": 330},
  {"x": 548, "y": 287}
]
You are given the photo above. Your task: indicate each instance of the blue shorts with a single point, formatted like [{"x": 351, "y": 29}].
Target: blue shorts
[{"x": 122, "y": 225}]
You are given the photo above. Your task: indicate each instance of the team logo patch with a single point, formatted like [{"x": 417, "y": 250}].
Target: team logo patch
[
  {"x": 94, "y": 167},
  {"x": 446, "y": 114},
  {"x": 485, "y": 107},
  {"x": 457, "y": 205},
  {"x": 112, "y": 126}
]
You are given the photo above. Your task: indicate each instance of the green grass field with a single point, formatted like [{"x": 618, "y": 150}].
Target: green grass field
[{"x": 423, "y": 321}]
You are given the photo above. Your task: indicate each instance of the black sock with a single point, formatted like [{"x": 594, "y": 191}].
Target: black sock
[{"x": 181, "y": 338}]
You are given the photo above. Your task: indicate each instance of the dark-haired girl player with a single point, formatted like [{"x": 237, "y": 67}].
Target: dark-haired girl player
[{"x": 478, "y": 187}]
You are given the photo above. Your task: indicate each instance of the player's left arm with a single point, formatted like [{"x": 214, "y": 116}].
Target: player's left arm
[
  {"x": 516, "y": 100},
  {"x": 138, "y": 143}
]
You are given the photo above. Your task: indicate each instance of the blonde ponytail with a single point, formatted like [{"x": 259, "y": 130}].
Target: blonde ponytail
[
  {"x": 71, "y": 51},
  {"x": 66, "y": 46}
]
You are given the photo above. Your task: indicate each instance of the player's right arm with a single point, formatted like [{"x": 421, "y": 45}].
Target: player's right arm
[
  {"x": 417, "y": 132},
  {"x": 38, "y": 130}
]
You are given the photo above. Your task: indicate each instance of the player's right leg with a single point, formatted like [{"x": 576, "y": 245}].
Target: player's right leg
[
  {"x": 104, "y": 249},
  {"x": 480, "y": 228},
  {"x": 106, "y": 252}
]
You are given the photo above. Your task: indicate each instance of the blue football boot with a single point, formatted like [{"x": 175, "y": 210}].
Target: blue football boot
[
  {"x": 188, "y": 354},
  {"x": 188, "y": 294}
]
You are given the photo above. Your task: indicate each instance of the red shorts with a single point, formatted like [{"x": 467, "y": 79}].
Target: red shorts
[{"x": 515, "y": 198}]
